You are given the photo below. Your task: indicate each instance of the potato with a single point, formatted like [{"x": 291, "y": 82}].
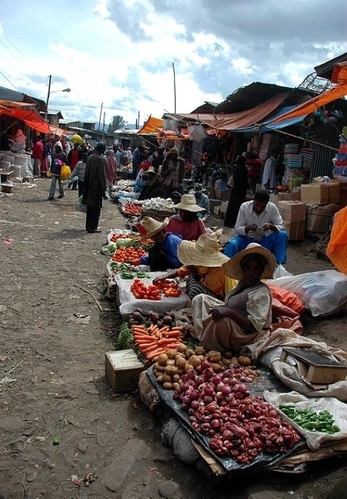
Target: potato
[
  {"x": 188, "y": 367},
  {"x": 166, "y": 378},
  {"x": 162, "y": 359},
  {"x": 160, "y": 379},
  {"x": 171, "y": 370},
  {"x": 195, "y": 360},
  {"x": 175, "y": 385},
  {"x": 181, "y": 363},
  {"x": 217, "y": 367},
  {"x": 167, "y": 385},
  {"x": 244, "y": 361},
  {"x": 181, "y": 347},
  {"x": 214, "y": 356},
  {"x": 176, "y": 378},
  {"x": 188, "y": 353},
  {"x": 234, "y": 361},
  {"x": 171, "y": 353},
  {"x": 171, "y": 362},
  {"x": 200, "y": 350},
  {"x": 160, "y": 368}
]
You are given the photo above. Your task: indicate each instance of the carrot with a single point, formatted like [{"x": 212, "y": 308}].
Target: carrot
[
  {"x": 150, "y": 348},
  {"x": 164, "y": 329},
  {"x": 176, "y": 328},
  {"x": 145, "y": 336},
  {"x": 138, "y": 326},
  {"x": 164, "y": 342},
  {"x": 154, "y": 354},
  {"x": 150, "y": 328}
]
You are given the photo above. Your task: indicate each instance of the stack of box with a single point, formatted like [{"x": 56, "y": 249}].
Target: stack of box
[
  {"x": 322, "y": 202},
  {"x": 294, "y": 218},
  {"x": 285, "y": 196}
]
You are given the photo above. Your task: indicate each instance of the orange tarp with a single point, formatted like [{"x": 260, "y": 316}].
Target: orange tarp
[
  {"x": 152, "y": 125},
  {"x": 339, "y": 73},
  {"x": 29, "y": 116},
  {"x": 337, "y": 247},
  {"x": 242, "y": 119}
]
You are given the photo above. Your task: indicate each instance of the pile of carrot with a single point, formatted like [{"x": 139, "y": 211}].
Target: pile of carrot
[{"x": 153, "y": 341}]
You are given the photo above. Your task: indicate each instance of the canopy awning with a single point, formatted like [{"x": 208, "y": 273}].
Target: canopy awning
[
  {"x": 29, "y": 116},
  {"x": 152, "y": 126},
  {"x": 236, "y": 121}
]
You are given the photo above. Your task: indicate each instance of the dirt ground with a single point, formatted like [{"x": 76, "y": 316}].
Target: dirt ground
[{"x": 59, "y": 419}]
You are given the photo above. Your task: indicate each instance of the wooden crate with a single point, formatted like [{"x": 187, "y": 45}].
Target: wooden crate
[
  {"x": 319, "y": 370},
  {"x": 122, "y": 370}
]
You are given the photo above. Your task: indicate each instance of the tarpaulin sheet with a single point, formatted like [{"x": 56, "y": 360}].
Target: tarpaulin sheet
[
  {"x": 29, "y": 116},
  {"x": 262, "y": 461}
]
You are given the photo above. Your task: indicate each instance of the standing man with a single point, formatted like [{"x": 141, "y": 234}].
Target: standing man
[
  {"x": 73, "y": 158},
  {"x": 259, "y": 221},
  {"x": 94, "y": 187},
  {"x": 172, "y": 173},
  {"x": 37, "y": 155},
  {"x": 268, "y": 181}
]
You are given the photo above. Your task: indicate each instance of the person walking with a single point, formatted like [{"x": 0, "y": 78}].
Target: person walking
[
  {"x": 58, "y": 159},
  {"x": 94, "y": 187},
  {"x": 37, "y": 155},
  {"x": 172, "y": 173},
  {"x": 268, "y": 181},
  {"x": 73, "y": 158},
  {"x": 79, "y": 172},
  {"x": 111, "y": 168}
]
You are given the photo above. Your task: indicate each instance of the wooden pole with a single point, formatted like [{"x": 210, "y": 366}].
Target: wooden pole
[{"x": 174, "y": 82}]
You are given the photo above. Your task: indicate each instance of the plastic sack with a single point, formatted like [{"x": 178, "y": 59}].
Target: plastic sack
[
  {"x": 49, "y": 174},
  {"x": 287, "y": 298},
  {"x": 323, "y": 293},
  {"x": 280, "y": 271},
  {"x": 65, "y": 172},
  {"x": 79, "y": 206},
  {"x": 337, "y": 246}
]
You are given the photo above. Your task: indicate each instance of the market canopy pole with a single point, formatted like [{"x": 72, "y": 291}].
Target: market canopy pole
[
  {"x": 174, "y": 82},
  {"x": 307, "y": 140}
]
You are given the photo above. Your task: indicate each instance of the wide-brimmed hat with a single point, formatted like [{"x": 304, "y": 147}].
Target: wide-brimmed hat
[
  {"x": 188, "y": 203},
  {"x": 204, "y": 252},
  {"x": 151, "y": 169},
  {"x": 152, "y": 227},
  {"x": 233, "y": 268},
  {"x": 173, "y": 150}
]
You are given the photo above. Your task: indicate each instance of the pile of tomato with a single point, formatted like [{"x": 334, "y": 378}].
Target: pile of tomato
[
  {"x": 169, "y": 287},
  {"x": 115, "y": 237},
  {"x": 132, "y": 209},
  {"x": 142, "y": 291},
  {"x": 128, "y": 255}
]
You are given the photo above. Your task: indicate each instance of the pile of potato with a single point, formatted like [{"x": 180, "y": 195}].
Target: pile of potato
[{"x": 172, "y": 365}]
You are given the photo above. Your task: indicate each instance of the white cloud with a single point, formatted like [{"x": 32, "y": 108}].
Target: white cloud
[{"x": 120, "y": 52}]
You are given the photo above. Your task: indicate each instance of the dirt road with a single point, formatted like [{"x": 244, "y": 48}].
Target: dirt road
[{"x": 59, "y": 420}]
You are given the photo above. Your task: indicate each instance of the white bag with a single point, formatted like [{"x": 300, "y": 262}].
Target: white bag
[{"x": 79, "y": 206}]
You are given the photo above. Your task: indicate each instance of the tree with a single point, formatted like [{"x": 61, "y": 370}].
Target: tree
[{"x": 117, "y": 123}]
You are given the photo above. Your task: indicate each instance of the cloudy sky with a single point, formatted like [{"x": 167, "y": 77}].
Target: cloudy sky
[{"x": 117, "y": 56}]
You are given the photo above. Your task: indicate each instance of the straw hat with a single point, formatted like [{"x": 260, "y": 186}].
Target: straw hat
[
  {"x": 233, "y": 267},
  {"x": 173, "y": 150},
  {"x": 188, "y": 203},
  {"x": 152, "y": 227},
  {"x": 151, "y": 169},
  {"x": 205, "y": 252}
]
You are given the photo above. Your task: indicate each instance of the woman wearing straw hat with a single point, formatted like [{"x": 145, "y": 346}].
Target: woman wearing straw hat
[
  {"x": 187, "y": 222},
  {"x": 202, "y": 265},
  {"x": 245, "y": 315},
  {"x": 172, "y": 173},
  {"x": 163, "y": 254}
]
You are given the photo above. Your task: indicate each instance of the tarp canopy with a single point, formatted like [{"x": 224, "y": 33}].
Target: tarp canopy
[
  {"x": 235, "y": 121},
  {"x": 340, "y": 74},
  {"x": 152, "y": 126},
  {"x": 29, "y": 116}
]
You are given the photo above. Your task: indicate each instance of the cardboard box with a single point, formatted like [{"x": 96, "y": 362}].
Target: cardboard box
[
  {"x": 224, "y": 206},
  {"x": 122, "y": 370},
  {"x": 222, "y": 195},
  {"x": 217, "y": 211},
  {"x": 213, "y": 203},
  {"x": 320, "y": 217},
  {"x": 285, "y": 196},
  {"x": 320, "y": 193},
  {"x": 292, "y": 211},
  {"x": 296, "y": 230}
]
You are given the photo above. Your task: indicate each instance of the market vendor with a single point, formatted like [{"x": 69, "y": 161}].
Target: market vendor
[
  {"x": 202, "y": 265},
  {"x": 187, "y": 222},
  {"x": 153, "y": 188},
  {"x": 245, "y": 315},
  {"x": 163, "y": 254},
  {"x": 202, "y": 200}
]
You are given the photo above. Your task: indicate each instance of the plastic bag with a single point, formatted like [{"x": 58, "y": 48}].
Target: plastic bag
[
  {"x": 280, "y": 271},
  {"x": 49, "y": 174},
  {"x": 65, "y": 172},
  {"x": 79, "y": 206},
  {"x": 323, "y": 293}
]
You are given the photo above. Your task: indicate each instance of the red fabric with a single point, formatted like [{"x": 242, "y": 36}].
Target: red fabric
[
  {"x": 190, "y": 231},
  {"x": 287, "y": 298},
  {"x": 38, "y": 149}
]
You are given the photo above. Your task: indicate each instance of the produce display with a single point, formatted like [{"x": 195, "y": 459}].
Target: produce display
[
  {"x": 159, "y": 204},
  {"x": 213, "y": 391},
  {"x": 143, "y": 291},
  {"x": 310, "y": 420},
  {"x": 153, "y": 341},
  {"x": 130, "y": 254},
  {"x": 132, "y": 209}
]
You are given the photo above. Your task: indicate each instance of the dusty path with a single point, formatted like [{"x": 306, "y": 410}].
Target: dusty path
[{"x": 52, "y": 371}]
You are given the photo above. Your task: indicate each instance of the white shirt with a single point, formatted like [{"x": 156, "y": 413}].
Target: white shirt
[
  {"x": 247, "y": 216},
  {"x": 269, "y": 173}
]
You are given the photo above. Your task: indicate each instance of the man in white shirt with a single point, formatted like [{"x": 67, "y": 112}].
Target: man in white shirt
[
  {"x": 259, "y": 221},
  {"x": 269, "y": 173}
]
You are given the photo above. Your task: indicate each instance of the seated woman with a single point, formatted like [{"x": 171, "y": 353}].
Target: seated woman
[
  {"x": 202, "y": 265},
  {"x": 187, "y": 223},
  {"x": 245, "y": 314},
  {"x": 163, "y": 254},
  {"x": 153, "y": 188}
]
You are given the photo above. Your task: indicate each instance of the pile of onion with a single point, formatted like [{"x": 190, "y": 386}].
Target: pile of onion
[{"x": 239, "y": 425}]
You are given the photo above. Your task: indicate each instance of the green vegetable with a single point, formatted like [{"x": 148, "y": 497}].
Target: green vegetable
[
  {"x": 125, "y": 338},
  {"x": 310, "y": 420},
  {"x": 141, "y": 275}
]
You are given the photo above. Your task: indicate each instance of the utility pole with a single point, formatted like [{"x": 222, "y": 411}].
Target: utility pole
[
  {"x": 48, "y": 95},
  {"x": 102, "y": 104},
  {"x": 174, "y": 82}
]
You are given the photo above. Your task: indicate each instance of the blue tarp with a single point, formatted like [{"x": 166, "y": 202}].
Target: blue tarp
[{"x": 268, "y": 124}]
